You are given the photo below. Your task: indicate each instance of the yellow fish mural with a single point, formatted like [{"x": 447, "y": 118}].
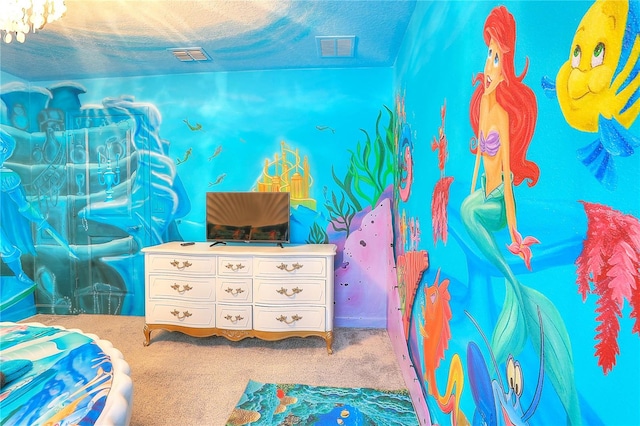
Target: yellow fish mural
[{"x": 598, "y": 88}]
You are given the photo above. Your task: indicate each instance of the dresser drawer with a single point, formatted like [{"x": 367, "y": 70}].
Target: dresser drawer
[
  {"x": 301, "y": 290},
  {"x": 234, "y": 317},
  {"x": 180, "y": 263},
  {"x": 279, "y": 318},
  {"x": 188, "y": 315},
  {"x": 234, "y": 289},
  {"x": 235, "y": 266},
  {"x": 290, "y": 266},
  {"x": 181, "y": 288}
]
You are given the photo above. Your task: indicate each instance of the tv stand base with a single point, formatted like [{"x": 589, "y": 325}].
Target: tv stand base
[{"x": 237, "y": 335}]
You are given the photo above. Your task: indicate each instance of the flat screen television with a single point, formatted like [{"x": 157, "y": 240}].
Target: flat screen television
[{"x": 248, "y": 216}]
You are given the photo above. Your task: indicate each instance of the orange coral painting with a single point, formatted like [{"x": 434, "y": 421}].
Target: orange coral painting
[
  {"x": 411, "y": 266},
  {"x": 608, "y": 267}
]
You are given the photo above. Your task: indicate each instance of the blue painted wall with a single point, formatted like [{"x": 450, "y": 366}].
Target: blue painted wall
[
  {"x": 175, "y": 138},
  {"x": 195, "y": 133},
  {"x": 585, "y": 379}
]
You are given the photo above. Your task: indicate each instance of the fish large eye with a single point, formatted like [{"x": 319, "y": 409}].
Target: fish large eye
[
  {"x": 514, "y": 376},
  {"x": 598, "y": 55},
  {"x": 576, "y": 56}
]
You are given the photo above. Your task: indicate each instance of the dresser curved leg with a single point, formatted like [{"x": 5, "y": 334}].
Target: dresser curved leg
[
  {"x": 147, "y": 335},
  {"x": 328, "y": 337}
]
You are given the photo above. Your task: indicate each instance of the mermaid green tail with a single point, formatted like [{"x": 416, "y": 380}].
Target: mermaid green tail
[{"x": 518, "y": 320}]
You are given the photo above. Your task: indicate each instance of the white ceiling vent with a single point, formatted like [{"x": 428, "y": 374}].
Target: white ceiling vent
[
  {"x": 336, "y": 46},
  {"x": 190, "y": 54}
]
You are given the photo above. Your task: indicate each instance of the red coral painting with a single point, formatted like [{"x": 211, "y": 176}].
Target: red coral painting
[
  {"x": 439, "y": 202},
  {"x": 608, "y": 267}
]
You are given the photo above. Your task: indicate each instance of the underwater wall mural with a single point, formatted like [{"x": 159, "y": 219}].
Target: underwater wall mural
[
  {"x": 597, "y": 88},
  {"x": 527, "y": 309},
  {"x": 97, "y": 182},
  {"x": 121, "y": 172}
]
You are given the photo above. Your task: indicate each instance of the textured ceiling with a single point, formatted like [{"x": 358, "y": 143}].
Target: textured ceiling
[{"x": 118, "y": 38}]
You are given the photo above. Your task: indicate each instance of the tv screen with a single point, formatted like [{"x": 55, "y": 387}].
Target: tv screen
[{"x": 248, "y": 216}]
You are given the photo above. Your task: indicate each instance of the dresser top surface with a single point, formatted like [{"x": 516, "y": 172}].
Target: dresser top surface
[{"x": 205, "y": 248}]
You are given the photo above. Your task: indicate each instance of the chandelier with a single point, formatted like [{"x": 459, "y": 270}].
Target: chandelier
[{"x": 22, "y": 16}]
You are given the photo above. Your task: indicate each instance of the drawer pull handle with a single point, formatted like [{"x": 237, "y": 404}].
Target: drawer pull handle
[
  {"x": 235, "y": 267},
  {"x": 294, "y": 318},
  {"x": 285, "y": 267},
  {"x": 232, "y": 319},
  {"x": 235, "y": 292},
  {"x": 181, "y": 316},
  {"x": 294, "y": 291},
  {"x": 185, "y": 287},
  {"x": 185, "y": 264}
]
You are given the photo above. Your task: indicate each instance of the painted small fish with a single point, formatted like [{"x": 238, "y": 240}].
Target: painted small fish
[
  {"x": 219, "y": 179},
  {"x": 598, "y": 88},
  {"x": 193, "y": 128},
  {"x": 186, "y": 156},
  {"x": 216, "y": 153},
  {"x": 323, "y": 128}
]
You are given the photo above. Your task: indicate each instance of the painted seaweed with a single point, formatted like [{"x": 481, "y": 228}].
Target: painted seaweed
[
  {"x": 341, "y": 213},
  {"x": 608, "y": 267},
  {"x": 317, "y": 235},
  {"x": 439, "y": 203},
  {"x": 371, "y": 167}
]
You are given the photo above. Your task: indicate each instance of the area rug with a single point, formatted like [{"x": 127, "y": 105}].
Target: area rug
[{"x": 270, "y": 404}]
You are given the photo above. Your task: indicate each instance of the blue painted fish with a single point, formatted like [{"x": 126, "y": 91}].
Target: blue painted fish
[
  {"x": 598, "y": 88},
  {"x": 495, "y": 404}
]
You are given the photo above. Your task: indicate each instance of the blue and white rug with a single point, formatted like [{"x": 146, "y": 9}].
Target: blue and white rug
[{"x": 285, "y": 404}]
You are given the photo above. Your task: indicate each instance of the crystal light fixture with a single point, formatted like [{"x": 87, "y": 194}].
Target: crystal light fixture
[{"x": 23, "y": 16}]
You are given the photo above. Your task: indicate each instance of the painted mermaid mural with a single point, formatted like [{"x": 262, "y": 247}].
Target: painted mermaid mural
[{"x": 503, "y": 113}]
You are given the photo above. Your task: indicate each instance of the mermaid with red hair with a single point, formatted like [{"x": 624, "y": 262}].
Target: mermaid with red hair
[{"x": 503, "y": 114}]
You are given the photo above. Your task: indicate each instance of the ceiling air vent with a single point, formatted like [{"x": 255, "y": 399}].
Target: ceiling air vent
[
  {"x": 336, "y": 46},
  {"x": 190, "y": 54}
]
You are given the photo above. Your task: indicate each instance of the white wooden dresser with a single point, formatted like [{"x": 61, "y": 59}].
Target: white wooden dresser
[{"x": 239, "y": 291}]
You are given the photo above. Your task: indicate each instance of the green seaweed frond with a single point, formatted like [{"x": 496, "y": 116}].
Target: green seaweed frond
[
  {"x": 341, "y": 212},
  {"x": 346, "y": 186},
  {"x": 317, "y": 235},
  {"x": 372, "y": 164}
]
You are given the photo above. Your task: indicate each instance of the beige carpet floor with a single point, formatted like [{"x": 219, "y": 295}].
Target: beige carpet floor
[{"x": 183, "y": 380}]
